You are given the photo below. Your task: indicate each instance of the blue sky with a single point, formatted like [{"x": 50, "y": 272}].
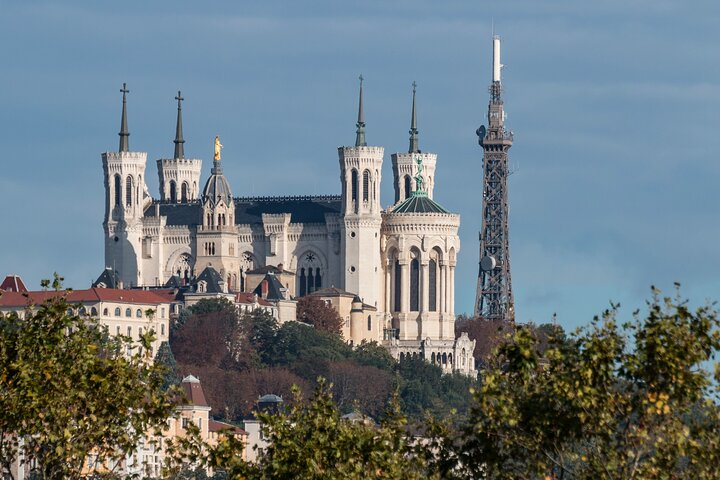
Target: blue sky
[{"x": 614, "y": 106}]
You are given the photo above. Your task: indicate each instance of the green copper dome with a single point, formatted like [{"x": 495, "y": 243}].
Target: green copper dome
[{"x": 418, "y": 202}]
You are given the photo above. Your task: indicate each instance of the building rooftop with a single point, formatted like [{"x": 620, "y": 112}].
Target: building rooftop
[{"x": 418, "y": 202}]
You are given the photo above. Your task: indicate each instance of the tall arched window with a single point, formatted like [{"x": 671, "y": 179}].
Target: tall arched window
[
  {"x": 354, "y": 185},
  {"x": 303, "y": 283},
  {"x": 369, "y": 323},
  {"x": 432, "y": 287},
  {"x": 128, "y": 190},
  {"x": 309, "y": 273},
  {"x": 366, "y": 186},
  {"x": 398, "y": 285},
  {"x": 173, "y": 191},
  {"x": 415, "y": 285},
  {"x": 407, "y": 186},
  {"x": 118, "y": 192},
  {"x": 184, "y": 192}
]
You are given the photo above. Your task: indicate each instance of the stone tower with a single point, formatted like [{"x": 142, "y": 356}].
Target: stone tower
[
  {"x": 125, "y": 200},
  {"x": 494, "y": 290},
  {"x": 179, "y": 177},
  {"x": 360, "y": 174},
  {"x": 216, "y": 244},
  {"x": 405, "y": 167}
]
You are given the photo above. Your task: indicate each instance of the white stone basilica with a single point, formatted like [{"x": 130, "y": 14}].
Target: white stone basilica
[{"x": 398, "y": 264}]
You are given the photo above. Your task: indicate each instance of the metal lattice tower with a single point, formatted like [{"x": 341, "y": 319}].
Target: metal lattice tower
[{"x": 494, "y": 290}]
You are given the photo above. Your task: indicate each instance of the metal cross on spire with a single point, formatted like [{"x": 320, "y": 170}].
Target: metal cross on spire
[
  {"x": 124, "y": 133},
  {"x": 360, "y": 132},
  {"x": 414, "y": 146},
  {"x": 179, "y": 141}
]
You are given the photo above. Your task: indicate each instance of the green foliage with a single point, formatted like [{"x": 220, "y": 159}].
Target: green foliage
[
  {"x": 212, "y": 305},
  {"x": 375, "y": 355},
  {"x": 68, "y": 389},
  {"x": 311, "y": 441},
  {"x": 612, "y": 401}
]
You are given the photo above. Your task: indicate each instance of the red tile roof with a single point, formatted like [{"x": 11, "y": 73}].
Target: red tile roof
[
  {"x": 91, "y": 295},
  {"x": 13, "y": 283},
  {"x": 193, "y": 392},
  {"x": 216, "y": 426}
]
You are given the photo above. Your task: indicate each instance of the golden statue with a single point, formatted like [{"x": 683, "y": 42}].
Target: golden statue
[{"x": 218, "y": 146}]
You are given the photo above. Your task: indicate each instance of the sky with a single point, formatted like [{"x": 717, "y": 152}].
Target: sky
[{"x": 614, "y": 107}]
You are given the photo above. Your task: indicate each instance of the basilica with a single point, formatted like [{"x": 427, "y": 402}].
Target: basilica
[{"x": 395, "y": 267}]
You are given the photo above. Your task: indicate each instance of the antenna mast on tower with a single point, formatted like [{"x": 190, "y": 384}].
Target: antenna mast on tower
[{"x": 494, "y": 298}]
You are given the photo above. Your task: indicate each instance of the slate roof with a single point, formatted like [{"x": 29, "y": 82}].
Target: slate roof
[
  {"x": 212, "y": 280},
  {"x": 418, "y": 202},
  {"x": 274, "y": 286},
  {"x": 249, "y": 210},
  {"x": 268, "y": 269},
  {"x": 107, "y": 279}
]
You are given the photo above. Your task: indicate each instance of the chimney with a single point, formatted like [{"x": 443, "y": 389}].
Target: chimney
[{"x": 264, "y": 288}]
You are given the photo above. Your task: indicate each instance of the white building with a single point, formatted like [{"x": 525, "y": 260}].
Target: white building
[{"x": 400, "y": 260}]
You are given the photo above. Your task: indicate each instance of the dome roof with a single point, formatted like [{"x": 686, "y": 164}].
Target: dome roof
[
  {"x": 418, "y": 202},
  {"x": 217, "y": 187}
]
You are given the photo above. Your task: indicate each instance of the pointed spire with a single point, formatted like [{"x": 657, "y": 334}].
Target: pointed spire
[
  {"x": 414, "y": 146},
  {"x": 179, "y": 142},
  {"x": 124, "y": 134},
  {"x": 360, "y": 137}
]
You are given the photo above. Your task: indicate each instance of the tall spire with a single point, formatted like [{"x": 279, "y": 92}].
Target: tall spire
[
  {"x": 360, "y": 137},
  {"x": 124, "y": 134},
  {"x": 414, "y": 146},
  {"x": 179, "y": 142}
]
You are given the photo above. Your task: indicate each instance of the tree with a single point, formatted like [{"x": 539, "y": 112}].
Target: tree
[
  {"x": 315, "y": 311},
  {"x": 374, "y": 355},
  {"x": 165, "y": 359},
  {"x": 68, "y": 390},
  {"x": 487, "y": 333},
  {"x": 629, "y": 401},
  {"x": 312, "y": 441}
]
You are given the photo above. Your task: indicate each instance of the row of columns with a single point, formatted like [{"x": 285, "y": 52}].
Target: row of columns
[{"x": 445, "y": 293}]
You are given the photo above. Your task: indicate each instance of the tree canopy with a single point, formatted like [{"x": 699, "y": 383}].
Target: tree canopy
[{"x": 69, "y": 391}]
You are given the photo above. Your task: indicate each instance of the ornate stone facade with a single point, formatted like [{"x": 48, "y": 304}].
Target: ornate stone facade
[{"x": 398, "y": 261}]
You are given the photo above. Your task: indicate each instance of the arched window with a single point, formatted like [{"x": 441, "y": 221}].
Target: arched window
[
  {"x": 318, "y": 279},
  {"x": 129, "y": 331},
  {"x": 366, "y": 186},
  {"x": 117, "y": 311},
  {"x": 82, "y": 311},
  {"x": 105, "y": 312},
  {"x": 93, "y": 312},
  {"x": 354, "y": 185},
  {"x": 128, "y": 190},
  {"x": 309, "y": 270},
  {"x": 303, "y": 283},
  {"x": 118, "y": 192},
  {"x": 432, "y": 287},
  {"x": 432, "y": 358},
  {"x": 184, "y": 192},
  {"x": 173, "y": 191},
  {"x": 128, "y": 312},
  {"x": 414, "y": 285},
  {"x": 369, "y": 323},
  {"x": 407, "y": 186},
  {"x": 138, "y": 313},
  {"x": 398, "y": 285}
]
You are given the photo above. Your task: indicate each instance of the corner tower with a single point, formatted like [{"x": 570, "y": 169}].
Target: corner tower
[
  {"x": 125, "y": 200},
  {"x": 360, "y": 174},
  {"x": 494, "y": 298},
  {"x": 179, "y": 177},
  {"x": 405, "y": 167}
]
